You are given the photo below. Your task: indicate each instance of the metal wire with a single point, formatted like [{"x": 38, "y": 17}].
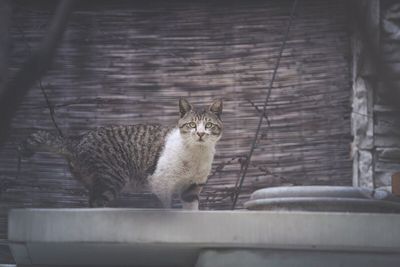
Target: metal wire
[{"x": 262, "y": 114}]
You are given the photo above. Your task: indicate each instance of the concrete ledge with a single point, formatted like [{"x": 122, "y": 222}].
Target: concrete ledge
[
  {"x": 285, "y": 258},
  {"x": 175, "y": 237}
]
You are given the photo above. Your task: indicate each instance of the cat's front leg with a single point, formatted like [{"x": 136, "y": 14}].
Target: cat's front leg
[
  {"x": 163, "y": 189},
  {"x": 194, "y": 205},
  {"x": 165, "y": 199},
  {"x": 190, "y": 197}
]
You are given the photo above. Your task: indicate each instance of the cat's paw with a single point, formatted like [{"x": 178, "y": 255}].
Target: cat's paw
[
  {"x": 194, "y": 205},
  {"x": 99, "y": 202},
  {"x": 191, "y": 192}
]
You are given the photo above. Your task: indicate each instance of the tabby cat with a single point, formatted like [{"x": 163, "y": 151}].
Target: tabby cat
[{"x": 109, "y": 160}]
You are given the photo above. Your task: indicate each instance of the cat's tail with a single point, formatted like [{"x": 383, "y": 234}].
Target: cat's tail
[{"x": 42, "y": 141}]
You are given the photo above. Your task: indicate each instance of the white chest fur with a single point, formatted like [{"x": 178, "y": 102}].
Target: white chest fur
[{"x": 180, "y": 165}]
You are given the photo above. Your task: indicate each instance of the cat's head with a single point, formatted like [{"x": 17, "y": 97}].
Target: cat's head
[{"x": 200, "y": 127}]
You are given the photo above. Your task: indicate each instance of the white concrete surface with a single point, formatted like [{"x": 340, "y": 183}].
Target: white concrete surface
[
  {"x": 176, "y": 237},
  {"x": 294, "y": 258}
]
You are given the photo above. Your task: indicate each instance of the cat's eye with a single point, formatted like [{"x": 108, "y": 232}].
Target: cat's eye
[
  {"x": 192, "y": 125},
  {"x": 209, "y": 125}
]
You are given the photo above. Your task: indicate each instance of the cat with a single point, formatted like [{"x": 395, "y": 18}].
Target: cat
[{"x": 165, "y": 160}]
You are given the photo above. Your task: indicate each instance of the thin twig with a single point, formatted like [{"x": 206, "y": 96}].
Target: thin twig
[
  {"x": 259, "y": 111},
  {"x": 222, "y": 165},
  {"x": 51, "y": 109}
]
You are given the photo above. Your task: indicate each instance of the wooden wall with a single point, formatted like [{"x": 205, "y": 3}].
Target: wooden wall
[{"x": 128, "y": 62}]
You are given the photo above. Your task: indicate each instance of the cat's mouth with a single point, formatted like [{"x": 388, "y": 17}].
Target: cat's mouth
[{"x": 201, "y": 139}]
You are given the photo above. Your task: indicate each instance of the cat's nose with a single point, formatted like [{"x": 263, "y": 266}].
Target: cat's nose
[{"x": 200, "y": 134}]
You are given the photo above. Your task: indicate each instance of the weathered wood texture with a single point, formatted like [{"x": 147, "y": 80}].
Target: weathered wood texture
[
  {"x": 387, "y": 111},
  {"x": 127, "y": 63}
]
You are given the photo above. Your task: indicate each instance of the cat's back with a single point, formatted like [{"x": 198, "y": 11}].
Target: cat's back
[
  {"x": 127, "y": 150},
  {"x": 138, "y": 134}
]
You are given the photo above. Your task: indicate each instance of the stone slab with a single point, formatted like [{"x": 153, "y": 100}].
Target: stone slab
[
  {"x": 284, "y": 258},
  {"x": 175, "y": 237}
]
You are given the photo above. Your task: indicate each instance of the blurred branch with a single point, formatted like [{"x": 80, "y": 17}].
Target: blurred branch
[
  {"x": 50, "y": 106},
  {"x": 5, "y": 19},
  {"x": 34, "y": 68}
]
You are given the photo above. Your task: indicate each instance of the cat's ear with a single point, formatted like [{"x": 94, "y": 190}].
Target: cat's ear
[
  {"x": 184, "y": 106},
  {"x": 216, "y": 107}
]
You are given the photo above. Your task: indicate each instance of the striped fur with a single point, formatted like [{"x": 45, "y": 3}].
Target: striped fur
[{"x": 165, "y": 160}]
